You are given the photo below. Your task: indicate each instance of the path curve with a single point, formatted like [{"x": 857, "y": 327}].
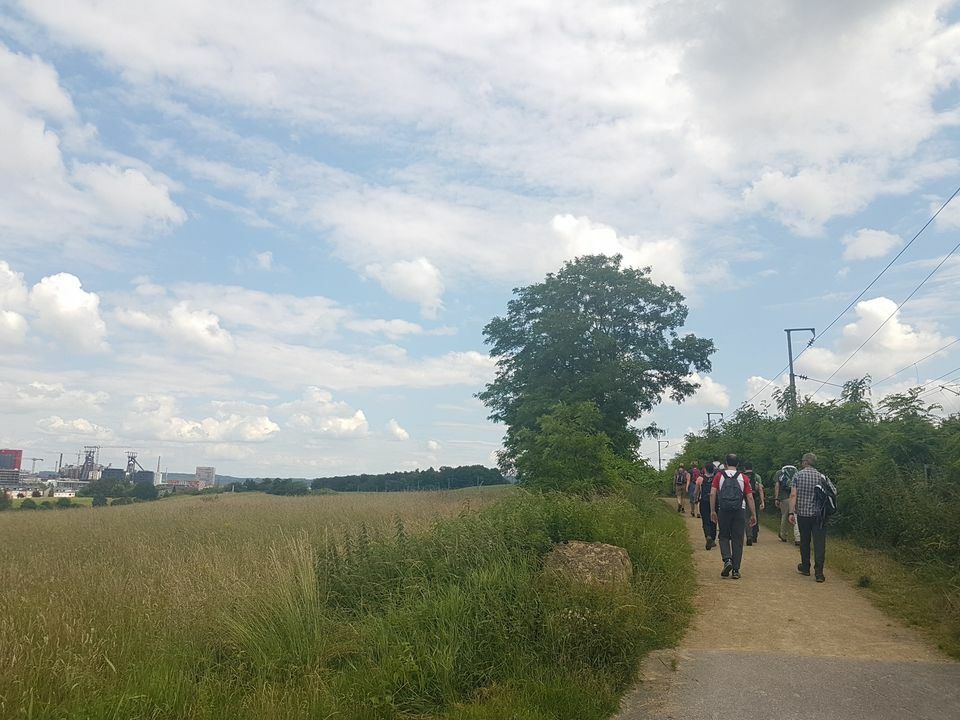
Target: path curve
[{"x": 776, "y": 644}]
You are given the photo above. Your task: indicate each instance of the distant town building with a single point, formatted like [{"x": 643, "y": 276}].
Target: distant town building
[
  {"x": 205, "y": 477},
  {"x": 10, "y": 461}
]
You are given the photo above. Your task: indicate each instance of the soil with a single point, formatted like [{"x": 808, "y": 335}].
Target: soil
[{"x": 784, "y": 646}]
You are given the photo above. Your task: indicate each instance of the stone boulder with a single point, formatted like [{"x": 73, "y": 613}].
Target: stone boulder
[{"x": 590, "y": 563}]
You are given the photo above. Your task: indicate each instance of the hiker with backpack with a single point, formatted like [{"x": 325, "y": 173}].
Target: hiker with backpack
[
  {"x": 692, "y": 489},
  {"x": 812, "y": 500},
  {"x": 781, "y": 495},
  {"x": 703, "y": 503},
  {"x": 759, "y": 500},
  {"x": 680, "y": 481},
  {"x": 730, "y": 497}
]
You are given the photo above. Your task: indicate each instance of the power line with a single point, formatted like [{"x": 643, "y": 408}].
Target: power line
[
  {"x": 824, "y": 382},
  {"x": 917, "y": 362},
  {"x": 889, "y": 264},
  {"x": 895, "y": 311},
  {"x": 858, "y": 297}
]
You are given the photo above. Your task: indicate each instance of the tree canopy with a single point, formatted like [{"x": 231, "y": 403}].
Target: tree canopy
[{"x": 593, "y": 332}]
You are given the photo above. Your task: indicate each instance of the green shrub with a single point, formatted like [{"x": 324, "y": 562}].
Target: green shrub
[
  {"x": 5, "y": 501},
  {"x": 99, "y": 501},
  {"x": 122, "y": 501},
  {"x": 462, "y": 616},
  {"x": 62, "y": 503},
  {"x": 28, "y": 504}
]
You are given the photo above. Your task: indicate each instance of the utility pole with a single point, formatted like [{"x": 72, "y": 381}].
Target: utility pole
[
  {"x": 793, "y": 377},
  {"x": 709, "y": 419},
  {"x": 661, "y": 444}
]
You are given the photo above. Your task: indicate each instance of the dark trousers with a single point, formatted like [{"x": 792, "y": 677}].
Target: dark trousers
[
  {"x": 709, "y": 526},
  {"x": 754, "y": 532},
  {"x": 733, "y": 525},
  {"x": 808, "y": 529}
]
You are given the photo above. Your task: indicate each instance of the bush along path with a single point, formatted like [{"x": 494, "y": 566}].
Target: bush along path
[{"x": 775, "y": 644}]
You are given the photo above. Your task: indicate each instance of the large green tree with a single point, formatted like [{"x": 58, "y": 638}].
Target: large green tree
[{"x": 593, "y": 332}]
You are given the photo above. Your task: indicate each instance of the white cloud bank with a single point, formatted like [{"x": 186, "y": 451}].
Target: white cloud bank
[{"x": 47, "y": 197}]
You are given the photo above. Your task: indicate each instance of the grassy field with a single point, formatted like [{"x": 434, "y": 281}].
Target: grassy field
[{"x": 408, "y": 605}]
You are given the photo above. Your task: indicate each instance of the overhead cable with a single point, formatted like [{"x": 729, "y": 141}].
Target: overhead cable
[{"x": 895, "y": 311}]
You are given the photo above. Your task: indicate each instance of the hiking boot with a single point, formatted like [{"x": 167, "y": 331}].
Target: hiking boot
[
  {"x": 707, "y": 545},
  {"x": 711, "y": 543},
  {"x": 820, "y": 577},
  {"x": 783, "y": 539},
  {"x": 749, "y": 542},
  {"x": 797, "y": 543},
  {"x": 803, "y": 572},
  {"x": 735, "y": 575},
  {"x": 728, "y": 568}
]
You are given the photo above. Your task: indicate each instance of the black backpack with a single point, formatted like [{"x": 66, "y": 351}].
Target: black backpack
[
  {"x": 731, "y": 494},
  {"x": 824, "y": 499}
]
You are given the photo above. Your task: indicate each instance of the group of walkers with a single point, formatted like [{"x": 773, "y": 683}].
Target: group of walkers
[{"x": 728, "y": 501}]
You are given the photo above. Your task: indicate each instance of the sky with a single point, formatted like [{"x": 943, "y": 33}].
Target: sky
[{"x": 267, "y": 236}]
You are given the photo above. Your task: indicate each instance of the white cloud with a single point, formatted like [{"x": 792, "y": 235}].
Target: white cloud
[
  {"x": 710, "y": 394},
  {"x": 416, "y": 281},
  {"x": 866, "y": 244},
  {"x": 316, "y": 412},
  {"x": 13, "y": 327},
  {"x": 264, "y": 260},
  {"x": 657, "y": 103},
  {"x": 391, "y": 328},
  {"x": 155, "y": 417},
  {"x": 396, "y": 432},
  {"x": 38, "y": 395},
  {"x": 897, "y": 344},
  {"x": 48, "y": 197},
  {"x": 433, "y": 445},
  {"x": 198, "y": 329},
  {"x": 68, "y": 314},
  {"x": 581, "y": 236},
  {"x": 79, "y": 427},
  {"x": 13, "y": 290}
]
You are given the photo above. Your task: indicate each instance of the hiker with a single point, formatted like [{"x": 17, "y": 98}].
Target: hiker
[
  {"x": 730, "y": 497},
  {"x": 781, "y": 495},
  {"x": 805, "y": 513},
  {"x": 680, "y": 486},
  {"x": 759, "y": 500},
  {"x": 703, "y": 502},
  {"x": 692, "y": 489}
]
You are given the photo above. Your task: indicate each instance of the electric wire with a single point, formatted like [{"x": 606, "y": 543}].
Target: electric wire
[
  {"x": 857, "y": 299},
  {"x": 895, "y": 311},
  {"x": 917, "y": 362}
]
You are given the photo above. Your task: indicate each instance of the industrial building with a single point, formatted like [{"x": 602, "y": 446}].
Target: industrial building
[
  {"x": 205, "y": 477},
  {"x": 10, "y": 462}
]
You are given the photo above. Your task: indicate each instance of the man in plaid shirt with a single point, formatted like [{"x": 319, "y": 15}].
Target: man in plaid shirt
[{"x": 803, "y": 513}]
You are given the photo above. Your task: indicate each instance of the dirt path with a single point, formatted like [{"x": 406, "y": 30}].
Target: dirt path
[{"x": 809, "y": 650}]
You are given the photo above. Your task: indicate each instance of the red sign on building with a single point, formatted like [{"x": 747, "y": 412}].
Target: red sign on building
[{"x": 10, "y": 459}]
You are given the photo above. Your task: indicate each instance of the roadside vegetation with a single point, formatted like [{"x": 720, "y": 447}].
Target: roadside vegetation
[
  {"x": 360, "y": 606},
  {"x": 897, "y": 468},
  {"x": 423, "y": 605}
]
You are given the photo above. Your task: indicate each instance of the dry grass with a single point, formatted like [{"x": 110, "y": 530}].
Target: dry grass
[
  {"x": 359, "y": 607},
  {"x": 96, "y": 591}
]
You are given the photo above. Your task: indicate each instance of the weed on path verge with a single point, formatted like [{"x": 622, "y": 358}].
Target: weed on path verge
[{"x": 371, "y": 621}]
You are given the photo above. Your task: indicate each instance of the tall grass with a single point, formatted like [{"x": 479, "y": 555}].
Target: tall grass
[{"x": 312, "y": 608}]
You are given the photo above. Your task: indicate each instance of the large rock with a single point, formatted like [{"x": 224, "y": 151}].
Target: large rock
[{"x": 590, "y": 563}]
